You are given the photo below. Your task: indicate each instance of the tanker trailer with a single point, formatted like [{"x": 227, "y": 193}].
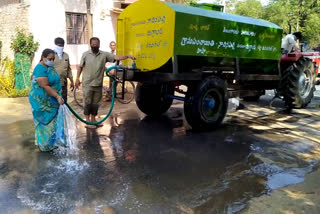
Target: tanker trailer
[{"x": 215, "y": 55}]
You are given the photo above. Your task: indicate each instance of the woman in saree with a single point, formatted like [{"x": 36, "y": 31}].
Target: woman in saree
[{"x": 45, "y": 99}]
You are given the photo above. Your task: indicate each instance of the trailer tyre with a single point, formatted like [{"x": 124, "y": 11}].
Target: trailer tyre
[
  {"x": 298, "y": 83},
  {"x": 150, "y": 98},
  {"x": 205, "y": 107}
]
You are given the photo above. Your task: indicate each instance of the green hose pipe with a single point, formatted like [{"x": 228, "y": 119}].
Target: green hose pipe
[{"x": 112, "y": 101}]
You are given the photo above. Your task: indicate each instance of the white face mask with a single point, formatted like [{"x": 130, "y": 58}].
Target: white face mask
[
  {"x": 59, "y": 51},
  {"x": 49, "y": 63}
]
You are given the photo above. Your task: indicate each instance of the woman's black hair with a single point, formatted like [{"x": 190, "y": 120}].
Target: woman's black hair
[{"x": 45, "y": 53}]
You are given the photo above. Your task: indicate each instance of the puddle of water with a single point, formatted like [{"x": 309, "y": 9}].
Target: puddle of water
[
  {"x": 235, "y": 207},
  {"x": 289, "y": 176},
  {"x": 278, "y": 177},
  {"x": 283, "y": 179},
  {"x": 145, "y": 166}
]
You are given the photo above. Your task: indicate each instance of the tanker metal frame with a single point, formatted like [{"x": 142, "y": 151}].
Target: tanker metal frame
[{"x": 215, "y": 55}]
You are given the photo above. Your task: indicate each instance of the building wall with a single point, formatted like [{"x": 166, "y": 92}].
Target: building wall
[
  {"x": 102, "y": 23},
  {"x": 48, "y": 21},
  {"x": 7, "y": 2},
  {"x": 12, "y": 16}
]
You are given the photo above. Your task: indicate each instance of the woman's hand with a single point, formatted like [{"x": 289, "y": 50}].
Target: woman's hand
[
  {"x": 44, "y": 83},
  {"x": 60, "y": 100}
]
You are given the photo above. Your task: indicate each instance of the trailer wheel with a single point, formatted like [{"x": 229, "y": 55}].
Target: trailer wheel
[
  {"x": 205, "y": 107},
  {"x": 150, "y": 98},
  {"x": 298, "y": 84}
]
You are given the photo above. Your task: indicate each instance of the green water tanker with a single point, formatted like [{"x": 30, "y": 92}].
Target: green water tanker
[{"x": 215, "y": 55}]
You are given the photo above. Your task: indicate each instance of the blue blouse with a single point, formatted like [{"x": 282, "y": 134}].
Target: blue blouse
[{"x": 44, "y": 106}]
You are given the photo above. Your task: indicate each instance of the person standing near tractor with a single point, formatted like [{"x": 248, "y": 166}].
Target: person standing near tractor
[
  {"x": 289, "y": 42},
  {"x": 62, "y": 65},
  {"x": 92, "y": 65}
]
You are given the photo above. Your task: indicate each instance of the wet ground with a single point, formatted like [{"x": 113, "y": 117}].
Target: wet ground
[{"x": 136, "y": 164}]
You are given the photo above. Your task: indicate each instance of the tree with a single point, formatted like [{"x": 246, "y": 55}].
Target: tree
[
  {"x": 185, "y": 2},
  {"x": 278, "y": 13},
  {"x": 301, "y": 15},
  {"x": 230, "y": 4},
  {"x": 256, "y": 10},
  {"x": 188, "y": 2},
  {"x": 311, "y": 30}
]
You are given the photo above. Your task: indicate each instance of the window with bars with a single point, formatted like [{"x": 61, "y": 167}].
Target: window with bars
[{"x": 77, "y": 28}]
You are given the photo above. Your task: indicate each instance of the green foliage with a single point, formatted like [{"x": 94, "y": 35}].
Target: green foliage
[
  {"x": 278, "y": 13},
  {"x": 301, "y": 15},
  {"x": 19, "y": 93},
  {"x": 185, "y": 2},
  {"x": 7, "y": 79},
  {"x": 256, "y": 10},
  {"x": 189, "y": 2},
  {"x": 24, "y": 43},
  {"x": 312, "y": 30}
]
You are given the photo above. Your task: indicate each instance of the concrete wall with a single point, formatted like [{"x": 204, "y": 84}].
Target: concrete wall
[
  {"x": 48, "y": 21},
  {"x": 102, "y": 23},
  {"x": 12, "y": 16}
]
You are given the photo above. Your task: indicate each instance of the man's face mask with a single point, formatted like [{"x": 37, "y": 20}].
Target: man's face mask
[
  {"x": 58, "y": 49},
  {"x": 95, "y": 49}
]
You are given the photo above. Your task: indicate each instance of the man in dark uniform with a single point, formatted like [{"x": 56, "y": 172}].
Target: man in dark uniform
[{"x": 62, "y": 65}]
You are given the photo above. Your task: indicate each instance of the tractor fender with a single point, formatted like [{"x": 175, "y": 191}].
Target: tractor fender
[
  {"x": 291, "y": 57},
  {"x": 294, "y": 57}
]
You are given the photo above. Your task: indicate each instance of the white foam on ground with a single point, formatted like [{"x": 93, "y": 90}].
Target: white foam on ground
[
  {"x": 71, "y": 166},
  {"x": 46, "y": 198},
  {"x": 121, "y": 196}
]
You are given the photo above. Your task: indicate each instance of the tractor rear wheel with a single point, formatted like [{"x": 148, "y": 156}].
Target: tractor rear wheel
[{"x": 298, "y": 83}]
